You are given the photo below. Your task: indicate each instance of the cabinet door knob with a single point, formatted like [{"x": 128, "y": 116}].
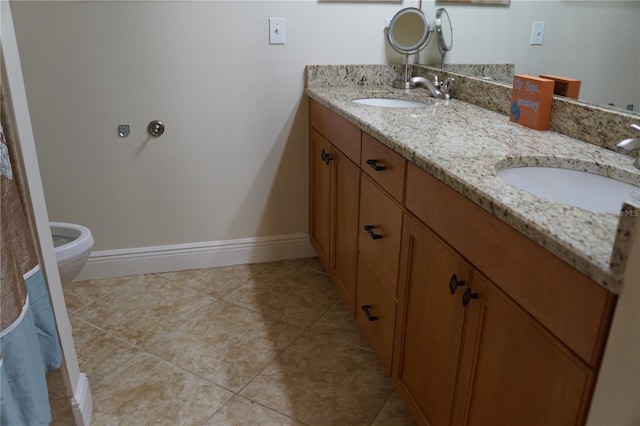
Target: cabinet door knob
[
  {"x": 454, "y": 283},
  {"x": 367, "y": 312},
  {"x": 324, "y": 156},
  {"x": 375, "y": 166},
  {"x": 467, "y": 296},
  {"x": 373, "y": 235}
]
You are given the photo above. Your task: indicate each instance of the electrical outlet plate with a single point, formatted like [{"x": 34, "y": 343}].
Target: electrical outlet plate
[
  {"x": 277, "y": 33},
  {"x": 123, "y": 130},
  {"x": 537, "y": 32}
]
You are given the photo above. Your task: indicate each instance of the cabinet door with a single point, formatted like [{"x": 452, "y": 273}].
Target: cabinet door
[
  {"x": 430, "y": 329},
  {"x": 320, "y": 195},
  {"x": 345, "y": 189},
  {"x": 513, "y": 371}
]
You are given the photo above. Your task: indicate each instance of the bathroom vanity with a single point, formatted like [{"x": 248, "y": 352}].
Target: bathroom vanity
[{"x": 486, "y": 305}]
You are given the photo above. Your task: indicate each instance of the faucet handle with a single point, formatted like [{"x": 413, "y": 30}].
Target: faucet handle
[
  {"x": 445, "y": 86},
  {"x": 435, "y": 79},
  {"x": 635, "y": 126}
]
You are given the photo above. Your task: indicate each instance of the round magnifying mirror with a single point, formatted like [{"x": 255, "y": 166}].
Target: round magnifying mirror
[
  {"x": 445, "y": 33},
  {"x": 408, "y": 30}
]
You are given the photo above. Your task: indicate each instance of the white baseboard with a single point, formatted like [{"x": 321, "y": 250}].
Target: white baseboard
[
  {"x": 82, "y": 402},
  {"x": 210, "y": 254}
]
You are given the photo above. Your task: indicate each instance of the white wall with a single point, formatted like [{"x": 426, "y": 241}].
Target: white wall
[
  {"x": 596, "y": 41},
  {"x": 232, "y": 163}
]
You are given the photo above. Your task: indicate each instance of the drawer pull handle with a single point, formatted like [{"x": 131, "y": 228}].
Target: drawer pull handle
[
  {"x": 454, "y": 284},
  {"x": 375, "y": 166},
  {"x": 367, "y": 312},
  {"x": 467, "y": 296},
  {"x": 324, "y": 156},
  {"x": 373, "y": 235}
]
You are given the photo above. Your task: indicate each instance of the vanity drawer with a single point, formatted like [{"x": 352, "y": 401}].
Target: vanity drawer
[
  {"x": 380, "y": 232},
  {"x": 384, "y": 166},
  {"x": 342, "y": 134},
  {"x": 375, "y": 312}
]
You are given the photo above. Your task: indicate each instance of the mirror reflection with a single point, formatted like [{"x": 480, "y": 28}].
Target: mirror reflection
[
  {"x": 445, "y": 33},
  {"x": 595, "y": 42}
]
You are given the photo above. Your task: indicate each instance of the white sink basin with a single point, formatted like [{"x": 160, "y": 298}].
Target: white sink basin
[
  {"x": 589, "y": 191},
  {"x": 390, "y": 102}
]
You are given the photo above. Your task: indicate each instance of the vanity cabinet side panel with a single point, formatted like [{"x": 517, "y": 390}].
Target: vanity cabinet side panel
[
  {"x": 570, "y": 305},
  {"x": 345, "y": 211},
  {"x": 319, "y": 196},
  {"x": 342, "y": 134},
  {"x": 513, "y": 371}
]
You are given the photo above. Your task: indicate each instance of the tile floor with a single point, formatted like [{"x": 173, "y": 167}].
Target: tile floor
[{"x": 255, "y": 344}]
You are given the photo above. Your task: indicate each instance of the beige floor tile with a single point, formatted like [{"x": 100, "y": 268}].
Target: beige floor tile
[
  {"x": 225, "y": 343},
  {"x": 240, "y": 411},
  {"x": 217, "y": 282},
  {"x": 149, "y": 391},
  {"x": 321, "y": 382},
  {"x": 312, "y": 263},
  {"x": 287, "y": 292},
  {"x": 136, "y": 313},
  {"x": 340, "y": 325},
  {"x": 78, "y": 294},
  {"x": 98, "y": 352},
  {"x": 395, "y": 413}
]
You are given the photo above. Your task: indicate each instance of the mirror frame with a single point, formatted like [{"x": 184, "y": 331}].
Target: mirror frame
[
  {"x": 442, "y": 44},
  {"x": 424, "y": 38}
]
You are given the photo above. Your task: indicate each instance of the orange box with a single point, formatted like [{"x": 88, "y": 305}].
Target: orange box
[
  {"x": 564, "y": 86},
  {"x": 531, "y": 99}
]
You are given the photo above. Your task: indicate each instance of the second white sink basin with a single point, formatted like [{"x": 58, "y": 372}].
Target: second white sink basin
[
  {"x": 589, "y": 191},
  {"x": 390, "y": 102}
]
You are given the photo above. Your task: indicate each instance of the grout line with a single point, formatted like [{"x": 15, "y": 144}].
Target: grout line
[{"x": 304, "y": 331}]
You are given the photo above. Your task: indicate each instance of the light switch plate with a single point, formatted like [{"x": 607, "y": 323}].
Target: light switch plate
[
  {"x": 537, "y": 32},
  {"x": 277, "y": 33}
]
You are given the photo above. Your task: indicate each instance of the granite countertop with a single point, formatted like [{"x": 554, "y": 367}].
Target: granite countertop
[{"x": 463, "y": 145}]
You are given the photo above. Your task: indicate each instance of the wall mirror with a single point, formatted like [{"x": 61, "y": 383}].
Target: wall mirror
[
  {"x": 408, "y": 32},
  {"x": 595, "y": 41},
  {"x": 444, "y": 29}
]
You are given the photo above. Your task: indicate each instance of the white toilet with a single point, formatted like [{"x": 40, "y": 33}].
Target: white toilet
[{"x": 72, "y": 245}]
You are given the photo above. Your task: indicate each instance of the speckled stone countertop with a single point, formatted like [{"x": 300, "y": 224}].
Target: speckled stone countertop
[{"x": 463, "y": 145}]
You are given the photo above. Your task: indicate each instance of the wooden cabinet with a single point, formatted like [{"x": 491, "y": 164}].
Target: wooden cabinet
[
  {"x": 334, "y": 190},
  {"x": 376, "y": 312},
  {"x": 345, "y": 191},
  {"x": 430, "y": 324},
  {"x": 523, "y": 347},
  {"x": 380, "y": 230},
  {"x": 570, "y": 305},
  {"x": 486, "y": 362},
  {"x": 515, "y": 372},
  {"x": 383, "y": 166},
  {"x": 319, "y": 195}
]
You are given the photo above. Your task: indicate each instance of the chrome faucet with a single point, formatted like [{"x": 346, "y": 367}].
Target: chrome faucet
[
  {"x": 630, "y": 145},
  {"x": 437, "y": 89}
]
